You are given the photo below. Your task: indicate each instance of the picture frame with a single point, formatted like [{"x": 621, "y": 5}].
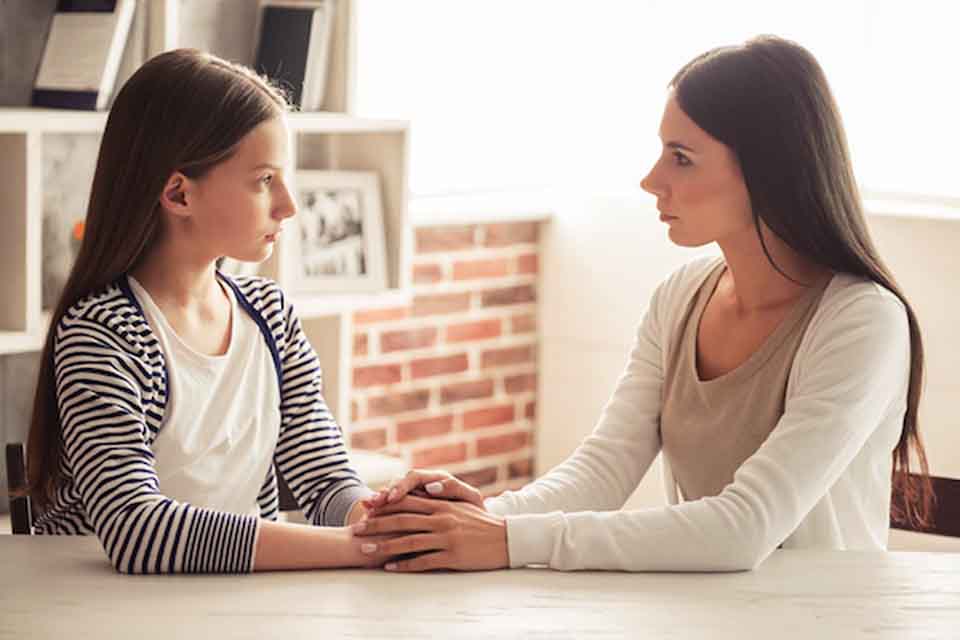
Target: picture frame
[{"x": 336, "y": 242}]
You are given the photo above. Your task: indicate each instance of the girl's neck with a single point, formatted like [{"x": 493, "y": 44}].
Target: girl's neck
[{"x": 176, "y": 279}]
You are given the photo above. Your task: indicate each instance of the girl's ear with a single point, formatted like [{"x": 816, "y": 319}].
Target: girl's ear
[{"x": 176, "y": 195}]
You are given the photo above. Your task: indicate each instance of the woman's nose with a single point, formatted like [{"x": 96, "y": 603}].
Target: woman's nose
[{"x": 651, "y": 185}]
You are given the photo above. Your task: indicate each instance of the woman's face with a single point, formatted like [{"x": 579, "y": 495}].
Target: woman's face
[{"x": 697, "y": 180}]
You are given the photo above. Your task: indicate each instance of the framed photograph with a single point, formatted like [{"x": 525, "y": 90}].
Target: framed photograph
[{"x": 336, "y": 243}]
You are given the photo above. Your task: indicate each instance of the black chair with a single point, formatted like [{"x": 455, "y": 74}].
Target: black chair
[
  {"x": 21, "y": 516},
  {"x": 946, "y": 510}
]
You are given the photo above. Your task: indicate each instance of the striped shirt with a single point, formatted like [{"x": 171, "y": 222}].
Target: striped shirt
[{"x": 111, "y": 384}]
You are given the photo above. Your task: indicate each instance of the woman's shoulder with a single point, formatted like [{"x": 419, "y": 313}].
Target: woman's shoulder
[
  {"x": 677, "y": 288},
  {"x": 854, "y": 297}
]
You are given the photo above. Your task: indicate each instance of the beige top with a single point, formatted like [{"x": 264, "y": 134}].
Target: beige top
[{"x": 710, "y": 427}]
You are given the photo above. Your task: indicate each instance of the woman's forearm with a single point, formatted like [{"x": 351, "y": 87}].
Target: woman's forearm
[{"x": 288, "y": 546}]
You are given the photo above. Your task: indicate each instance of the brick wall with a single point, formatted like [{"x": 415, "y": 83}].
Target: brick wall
[{"x": 450, "y": 381}]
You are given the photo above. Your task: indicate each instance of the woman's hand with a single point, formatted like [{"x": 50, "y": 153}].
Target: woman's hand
[
  {"x": 446, "y": 534},
  {"x": 436, "y": 484}
]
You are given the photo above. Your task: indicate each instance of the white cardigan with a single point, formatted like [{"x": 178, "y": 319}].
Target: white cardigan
[{"x": 820, "y": 480}]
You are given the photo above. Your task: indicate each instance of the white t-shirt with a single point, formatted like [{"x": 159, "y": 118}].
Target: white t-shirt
[{"x": 222, "y": 419}]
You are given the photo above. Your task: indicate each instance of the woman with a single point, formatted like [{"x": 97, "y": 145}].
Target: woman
[
  {"x": 170, "y": 394},
  {"x": 776, "y": 380}
]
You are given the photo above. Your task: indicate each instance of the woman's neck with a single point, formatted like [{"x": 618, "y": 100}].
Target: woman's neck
[{"x": 755, "y": 284}]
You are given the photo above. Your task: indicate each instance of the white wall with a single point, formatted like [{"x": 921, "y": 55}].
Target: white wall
[{"x": 602, "y": 258}]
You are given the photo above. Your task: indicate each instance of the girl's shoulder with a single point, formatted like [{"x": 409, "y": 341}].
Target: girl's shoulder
[
  {"x": 263, "y": 294},
  {"x": 112, "y": 308}
]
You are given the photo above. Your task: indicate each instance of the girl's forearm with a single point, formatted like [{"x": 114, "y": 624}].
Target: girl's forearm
[{"x": 288, "y": 546}]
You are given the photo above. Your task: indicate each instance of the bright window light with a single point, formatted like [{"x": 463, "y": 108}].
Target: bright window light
[{"x": 527, "y": 94}]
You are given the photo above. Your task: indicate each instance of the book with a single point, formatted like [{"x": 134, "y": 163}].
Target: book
[
  {"x": 82, "y": 54},
  {"x": 293, "y": 48}
]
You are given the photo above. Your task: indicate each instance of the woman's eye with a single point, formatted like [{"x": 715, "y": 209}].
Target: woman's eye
[
  {"x": 266, "y": 179},
  {"x": 681, "y": 159}
]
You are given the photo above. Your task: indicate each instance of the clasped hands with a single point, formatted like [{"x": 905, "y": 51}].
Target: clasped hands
[{"x": 438, "y": 519}]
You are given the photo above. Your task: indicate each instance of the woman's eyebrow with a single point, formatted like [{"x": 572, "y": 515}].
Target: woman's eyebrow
[
  {"x": 677, "y": 145},
  {"x": 266, "y": 165}
]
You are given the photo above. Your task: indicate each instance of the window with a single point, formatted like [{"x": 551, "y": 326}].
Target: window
[{"x": 521, "y": 94}]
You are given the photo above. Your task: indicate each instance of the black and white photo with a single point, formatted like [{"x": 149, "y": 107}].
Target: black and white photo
[{"x": 337, "y": 237}]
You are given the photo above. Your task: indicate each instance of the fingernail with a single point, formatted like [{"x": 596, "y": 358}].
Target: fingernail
[
  {"x": 368, "y": 548},
  {"x": 393, "y": 494},
  {"x": 434, "y": 487},
  {"x": 359, "y": 526},
  {"x": 391, "y": 566}
]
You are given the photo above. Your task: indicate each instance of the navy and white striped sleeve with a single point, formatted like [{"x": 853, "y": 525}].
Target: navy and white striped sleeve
[
  {"x": 99, "y": 384},
  {"x": 311, "y": 453}
]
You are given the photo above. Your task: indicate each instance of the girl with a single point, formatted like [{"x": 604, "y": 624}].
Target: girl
[
  {"x": 776, "y": 381},
  {"x": 170, "y": 395}
]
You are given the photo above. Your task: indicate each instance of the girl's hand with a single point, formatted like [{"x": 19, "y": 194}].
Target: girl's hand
[
  {"x": 445, "y": 535},
  {"x": 435, "y": 484}
]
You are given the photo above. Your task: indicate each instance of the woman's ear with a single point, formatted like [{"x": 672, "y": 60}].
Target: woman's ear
[{"x": 177, "y": 194}]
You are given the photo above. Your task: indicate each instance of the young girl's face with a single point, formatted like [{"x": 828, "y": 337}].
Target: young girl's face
[
  {"x": 697, "y": 180},
  {"x": 239, "y": 205}
]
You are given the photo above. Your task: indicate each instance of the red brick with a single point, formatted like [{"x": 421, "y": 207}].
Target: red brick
[
  {"x": 444, "y": 365},
  {"x": 520, "y": 468},
  {"x": 523, "y": 324},
  {"x": 360, "y": 344},
  {"x": 408, "y": 339},
  {"x": 488, "y": 417},
  {"x": 469, "y": 270},
  {"x": 415, "y": 429},
  {"x": 427, "y": 273},
  {"x": 528, "y": 263},
  {"x": 445, "y": 454},
  {"x": 521, "y": 383},
  {"x": 380, "y": 374},
  {"x": 502, "y": 235},
  {"x": 509, "y": 295},
  {"x": 397, "y": 403},
  {"x": 466, "y": 391},
  {"x": 502, "y": 444},
  {"x": 369, "y": 439},
  {"x": 480, "y": 477},
  {"x": 480, "y": 330},
  {"x": 530, "y": 411},
  {"x": 379, "y": 315},
  {"x": 440, "y": 304},
  {"x": 430, "y": 239},
  {"x": 511, "y": 355}
]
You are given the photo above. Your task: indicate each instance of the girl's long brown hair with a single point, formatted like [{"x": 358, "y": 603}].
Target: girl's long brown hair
[
  {"x": 769, "y": 101},
  {"x": 183, "y": 110}
]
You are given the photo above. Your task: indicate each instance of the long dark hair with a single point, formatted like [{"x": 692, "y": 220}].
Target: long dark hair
[
  {"x": 183, "y": 110},
  {"x": 769, "y": 101}
]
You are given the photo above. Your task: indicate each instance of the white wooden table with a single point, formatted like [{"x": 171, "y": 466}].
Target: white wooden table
[{"x": 61, "y": 587}]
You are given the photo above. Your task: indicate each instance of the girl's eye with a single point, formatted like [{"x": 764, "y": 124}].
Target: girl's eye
[
  {"x": 267, "y": 179},
  {"x": 681, "y": 159}
]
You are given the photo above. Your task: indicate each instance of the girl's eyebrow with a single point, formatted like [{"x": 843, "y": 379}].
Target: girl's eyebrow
[{"x": 266, "y": 165}]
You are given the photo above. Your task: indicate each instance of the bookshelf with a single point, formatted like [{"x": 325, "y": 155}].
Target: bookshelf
[{"x": 328, "y": 140}]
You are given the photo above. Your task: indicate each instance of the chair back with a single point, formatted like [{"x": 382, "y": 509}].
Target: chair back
[
  {"x": 21, "y": 517},
  {"x": 946, "y": 510}
]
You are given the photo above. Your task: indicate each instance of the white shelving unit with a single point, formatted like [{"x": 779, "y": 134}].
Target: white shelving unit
[{"x": 330, "y": 140}]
